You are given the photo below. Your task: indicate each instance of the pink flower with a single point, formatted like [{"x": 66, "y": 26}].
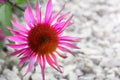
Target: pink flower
[
  {"x": 42, "y": 39},
  {"x": 1, "y": 1},
  {"x": 2, "y": 36}
]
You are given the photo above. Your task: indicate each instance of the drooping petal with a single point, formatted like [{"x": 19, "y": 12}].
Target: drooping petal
[
  {"x": 58, "y": 25},
  {"x": 69, "y": 39},
  {"x": 48, "y": 13},
  {"x": 19, "y": 26},
  {"x": 16, "y": 38},
  {"x": 65, "y": 25},
  {"x": 31, "y": 63},
  {"x": 30, "y": 13},
  {"x": 28, "y": 16},
  {"x": 17, "y": 52},
  {"x": 27, "y": 53},
  {"x": 38, "y": 13},
  {"x": 17, "y": 32},
  {"x": 65, "y": 50},
  {"x": 61, "y": 26},
  {"x": 53, "y": 57},
  {"x": 62, "y": 17},
  {"x": 61, "y": 55},
  {"x": 68, "y": 45},
  {"x": 42, "y": 63},
  {"x": 17, "y": 46},
  {"x": 24, "y": 56},
  {"x": 56, "y": 15},
  {"x": 68, "y": 22},
  {"x": 23, "y": 60},
  {"x": 53, "y": 63}
]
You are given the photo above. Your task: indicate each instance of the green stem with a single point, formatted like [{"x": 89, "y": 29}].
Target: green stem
[{"x": 15, "y": 5}]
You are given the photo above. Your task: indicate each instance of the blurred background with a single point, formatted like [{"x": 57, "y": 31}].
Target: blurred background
[{"x": 97, "y": 22}]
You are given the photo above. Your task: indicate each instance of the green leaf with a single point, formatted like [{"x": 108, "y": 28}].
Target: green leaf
[
  {"x": 5, "y": 17},
  {"x": 1, "y": 45},
  {"x": 20, "y": 1}
]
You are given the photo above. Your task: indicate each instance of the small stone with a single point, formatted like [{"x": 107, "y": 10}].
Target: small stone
[
  {"x": 111, "y": 76},
  {"x": 99, "y": 73},
  {"x": 2, "y": 61},
  {"x": 96, "y": 59},
  {"x": 78, "y": 72},
  {"x": 63, "y": 79},
  {"x": 72, "y": 76},
  {"x": 86, "y": 66},
  {"x": 10, "y": 75},
  {"x": 15, "y": 69},
  {"x": 27, "y": 77},
  {"x": 87, "y": 77},
  {"x": 50, "y": 76},
  {"x": 36, "y": 76},
  {"x": 68, "y": 69},
  {"x": 2, "y": 77},
  {"x": 2, "y": 55}
]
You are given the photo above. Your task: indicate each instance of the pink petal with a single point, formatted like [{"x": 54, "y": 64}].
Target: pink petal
[
  {"x": 55, "y": 15},
  {"x": 66, "y": 50},
  {"x": 42, "y": 63},
  {"x": 62, "y": 17},
  {"x": 23, "y": 60},
  {"x": 53, "y": 63},
  {"x": 58, "y": 25},
  {"x": 18, "y": 38},
  {"x": 53, "y": 57},
  {"x": 17, "y": 32},
  {"x": 31, "y": 63},
  {"x": 30, "y": 13},
  {"x": 28, "y": 16},
  {"x": 65, "y": 25},
  {"x": 68, "y": 21},
  {"x": 19, "y": 26},
  {"x": 68, "y": 45},
  {"x": 38, "y": 12},
  {"x": 17, "y": 46},
  {"x": 69, "y": 39},
  {"x": 27, "y": 53},
  {"x": 61, "y": 55},
  {"x": 17, "y": 52},
  {"x": 48, "y": 11},
  {"x": 24, "y": 56}
]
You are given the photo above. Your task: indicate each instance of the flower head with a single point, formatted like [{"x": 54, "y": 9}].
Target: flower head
[{"x": 41, "y": 39}]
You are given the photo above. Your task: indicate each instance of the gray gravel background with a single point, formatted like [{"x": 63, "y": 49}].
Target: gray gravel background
[{"x": 97, "y": 22}]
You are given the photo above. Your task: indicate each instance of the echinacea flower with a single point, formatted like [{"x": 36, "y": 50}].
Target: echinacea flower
[
  {"x": 42, "y": 39},
  {"x": 2, "y": 36}
]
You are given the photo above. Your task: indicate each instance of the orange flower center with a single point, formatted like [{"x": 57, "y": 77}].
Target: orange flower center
[{"x": 43, "y": 39}]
